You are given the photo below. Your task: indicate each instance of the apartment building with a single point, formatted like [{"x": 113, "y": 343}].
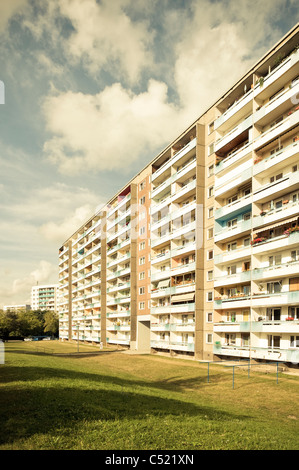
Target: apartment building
[
  {"x": 44, "y": 297},
  {"x": 198, "y": 254},
  {"x": 16, "y": 308}
]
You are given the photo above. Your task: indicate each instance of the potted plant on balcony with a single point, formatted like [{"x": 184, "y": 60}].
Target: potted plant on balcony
[{"x": 289, "y": 319}]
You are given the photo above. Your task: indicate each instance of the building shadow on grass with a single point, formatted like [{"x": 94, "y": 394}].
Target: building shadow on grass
[{"x": 61, "y": 399}]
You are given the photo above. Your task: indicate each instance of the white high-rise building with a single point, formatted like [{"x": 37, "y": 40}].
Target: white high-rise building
[{"x": 44, "y": 297}]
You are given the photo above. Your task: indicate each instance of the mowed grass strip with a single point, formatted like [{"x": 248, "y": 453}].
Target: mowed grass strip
[{"x": 58, "y": 399}]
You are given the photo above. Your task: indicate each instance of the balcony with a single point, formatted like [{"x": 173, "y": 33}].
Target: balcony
[
  {"x": 270, "y": 191},
  {"x": 277, "y": 159},
  {"x": 271, "y": 354},
  {"x": 234, "y": 158},
  {"x": 235, "y": 112},
  {"x": 171, "y": 309},
  {"x": 160, "y": 344},
  {"x": 183, "y": 269},
  {"x": 231, "y": 139},
  {"x": 232, "y": 180},
  {"x": 182, "y": 346},
  {"x": 188, "y": 327},
  {"x": 273, "y": 244},
  {"x": 183, "y": 192},
  {"x": 223, "y": 233},
  {"x": 263, "y": 326},
  {"x": 233, "y": 255},
  {"x": 286, "y": 70},
  {"x": 274, "y": 132},
  {"x": 278, "y": 105},
  {"x": 160, "y": 326},
  {"x": 232, "y": 279},
  {"x": 162, "y": 188},
  {"x": 287, "y": 211},
  {"x": 276, "y": 299},
  {"x": 234, "y": 208},
  {"x": 178, "y": 155},
  {"x": 237, "y": 301}
]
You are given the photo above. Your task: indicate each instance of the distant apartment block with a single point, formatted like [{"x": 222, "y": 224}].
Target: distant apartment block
[
  {"x": 198, "y": 254},
  {"x": 16, "y": 308},
  {"x": 44, "y": 297}
]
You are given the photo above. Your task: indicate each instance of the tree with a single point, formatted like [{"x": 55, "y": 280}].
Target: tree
[
  {"x": 8, "y": 324},
  {"x": 29, "y": 324},
  {"x": 51, "y": 323}
]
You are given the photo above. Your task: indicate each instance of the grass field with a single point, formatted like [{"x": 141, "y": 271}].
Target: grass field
[{"x": 52, "y": 398}]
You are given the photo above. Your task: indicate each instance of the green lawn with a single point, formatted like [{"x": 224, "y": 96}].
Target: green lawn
[{"x": 117, "y": 401}]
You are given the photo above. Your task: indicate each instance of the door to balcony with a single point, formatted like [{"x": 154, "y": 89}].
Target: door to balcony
[{"x": 273, "y": 314}]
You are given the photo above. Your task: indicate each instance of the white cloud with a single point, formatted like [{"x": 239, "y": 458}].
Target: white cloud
[
  {"x": 58, "y": 232},
  {"x": 8, "y": 9},
  {"x": 108, "y": 130},
  {"x": 214, "y": 43},
  {"x": 18, "y": 291},
  {"x": 105, "y": 36}
]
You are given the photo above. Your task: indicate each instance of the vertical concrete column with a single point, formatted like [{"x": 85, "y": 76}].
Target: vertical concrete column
[
  {"x": 103, "y": 277},
  {"x": 200, "y": 242},
  {"x": 70, "y": 294},
  {"x": 133, "y": 265}
]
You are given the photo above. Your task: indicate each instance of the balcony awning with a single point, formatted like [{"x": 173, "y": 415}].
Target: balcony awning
[
  {"x": 277, "y": 224},
  {"x": 164, "y": 283},
  {"x": 182, "y": 297}
]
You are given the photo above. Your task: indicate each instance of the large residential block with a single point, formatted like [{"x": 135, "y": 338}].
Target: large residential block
[
  {"x": 198, "y": 254},
  {"x": 44, "y": 297}
]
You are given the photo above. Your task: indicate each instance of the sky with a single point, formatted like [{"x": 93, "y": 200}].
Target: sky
[{"x": 94, "y": 90}]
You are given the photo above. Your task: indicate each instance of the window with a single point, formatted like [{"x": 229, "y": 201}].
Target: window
[
  {"x": 142, "y": 231},
  {"x": 295, "y": 255},
  {"x": 142, "y": 186},
  {"x": 210, "y": 254},
  {"x": 209, "y": 296},
  {"x": 211, "y": 149},
  {"x": 232, "y": 223},
  {"x": 141, "y": 290},
  {"x": 210, "y": 212},
  {"x": 142, "y": 260},
  {"x": 141, "y": 305},
  {"x": 211, "y": 127},
  {"x": 273, "y": 341},
  {"x": 142, "y": 200},
  {"x": 246, "y": 242},
  {"x": 230, "y": 338},
  {"x": 294, "y": 342},
  {"x": 210, "y": 276},
  {"x": 210, "y": 233},
  {"x": 211, "y": 191},
  {"x": 294, "y": 312},
  {"x": 276, "y": 177},
  {"x": 233, "y": 246},
  {"x": 294, "y": 168},
  {"x": 273, "y": 287},
  {"x": 273, "y": 314},
  {"x": 232, "y": 199},
  {"x": 209, "y": 317},
  {"x": 141, "y": 246},
  {"x": 231, "y": 270},
  {"x": 211, "y": 170},
  {"x": 274, "y": 260},
  {"x": 209, "y": 338},
  {"x": 142, "y": 275}
]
